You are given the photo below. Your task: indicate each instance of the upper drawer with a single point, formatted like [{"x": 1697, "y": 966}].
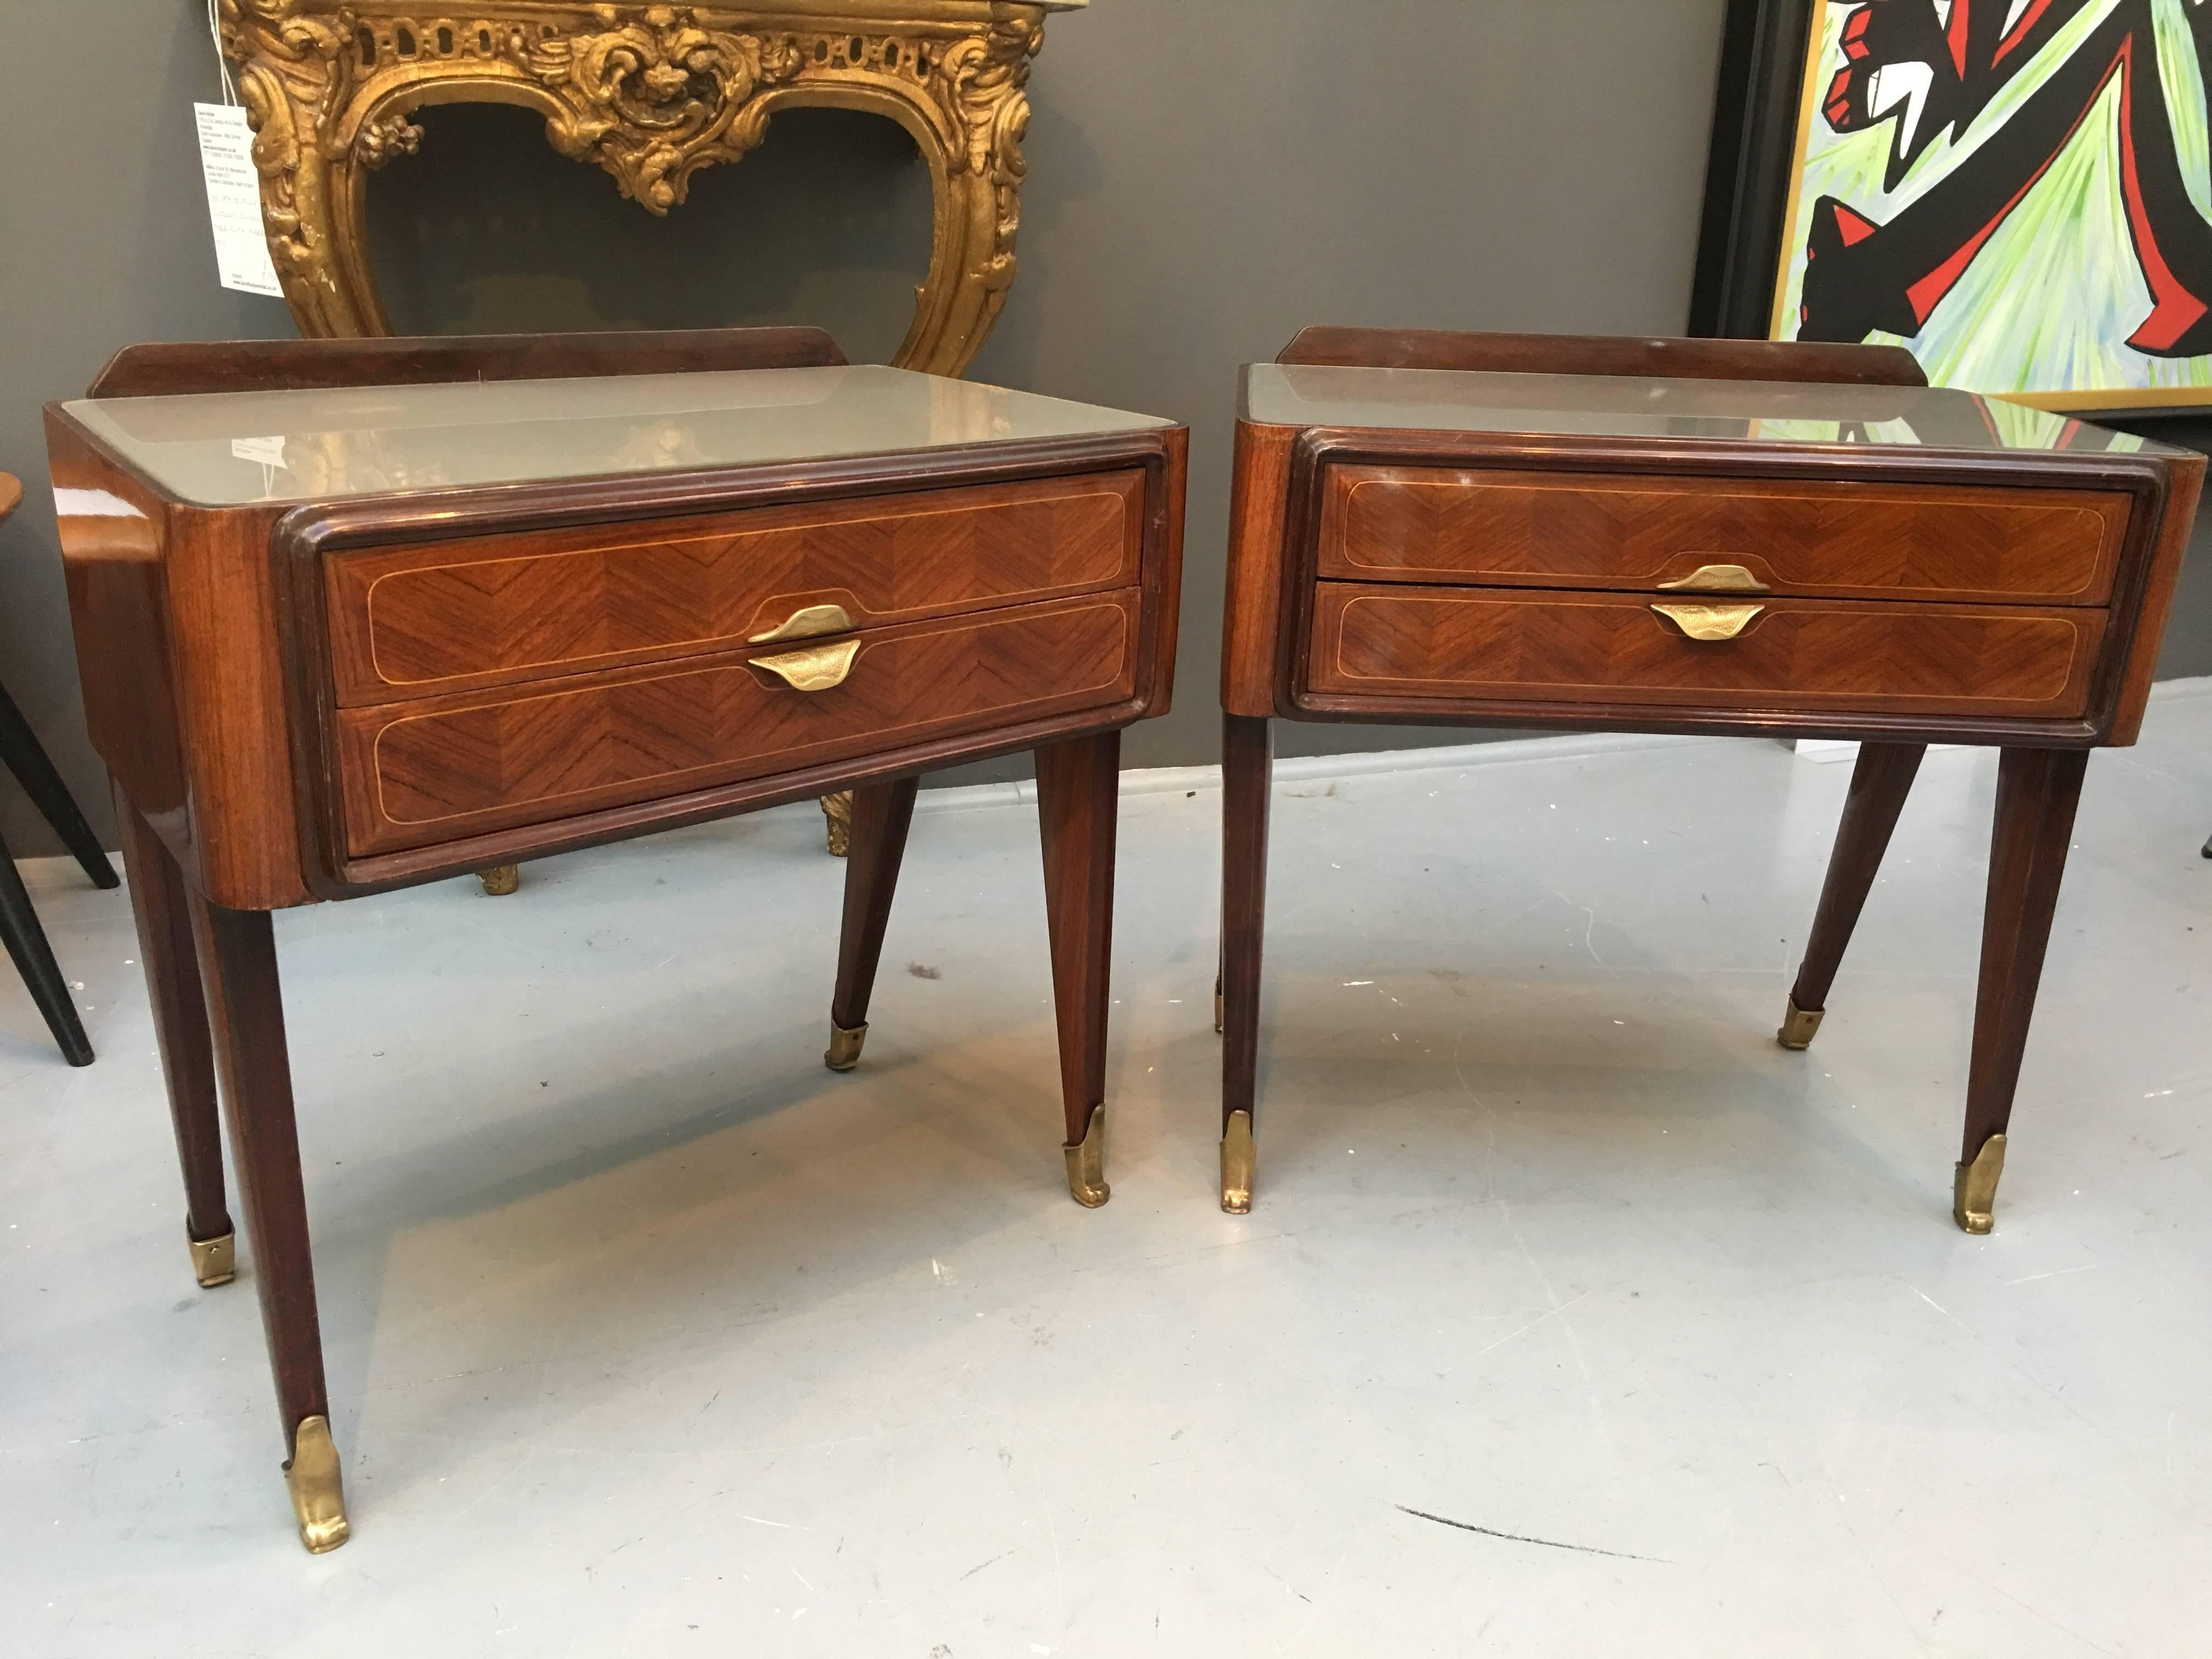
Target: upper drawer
[
  {"x": 413, "y": 621},
  {"x": 1622, "y": 530}
]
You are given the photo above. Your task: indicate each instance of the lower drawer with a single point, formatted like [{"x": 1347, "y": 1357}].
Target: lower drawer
[
  {"x": 1809, "y": 654},
  {"x": 415, "y": 774}
]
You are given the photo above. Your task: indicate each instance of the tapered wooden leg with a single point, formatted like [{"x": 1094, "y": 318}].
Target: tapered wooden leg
[
  {"x": 1078, "y": 797},
  {"x": 1248, "y": 775},
  {"x": 27, "y": 759},
  {"x": 882, "y": 813},
  {"x": 238, "y": 967},
  {"x": 1879, "y": 786},
  {"x": 2038, "y": 791},
  {"x": 180, "y": 1029},
  {"x": 34, "y": 960}
]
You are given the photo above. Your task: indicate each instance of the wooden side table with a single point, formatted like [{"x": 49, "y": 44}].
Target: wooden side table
[
  {"x": 1696, "y": 535},
  {"x": 388, "y": 611}
]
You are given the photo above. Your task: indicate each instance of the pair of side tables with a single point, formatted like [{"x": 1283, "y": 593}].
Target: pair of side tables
[{"x": 352, "y": 615}]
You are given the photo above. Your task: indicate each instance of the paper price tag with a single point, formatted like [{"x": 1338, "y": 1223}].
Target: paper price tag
[
  {"x": 234, "y": 188},
  {"x": 270, "y": 451}
]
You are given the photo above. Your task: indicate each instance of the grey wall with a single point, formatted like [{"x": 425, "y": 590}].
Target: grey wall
[
  {"x": 103, "y": 240},
  {"x": 1207, "y": 177}
]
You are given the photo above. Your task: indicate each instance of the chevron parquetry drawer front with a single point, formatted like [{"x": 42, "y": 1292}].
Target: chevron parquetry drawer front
[
  {"x": 431, "y": 618},
  {"x": 1838, "y": 539},
  {"x": 417, "y": 773},
  {"x": 1810, "y": 655}
]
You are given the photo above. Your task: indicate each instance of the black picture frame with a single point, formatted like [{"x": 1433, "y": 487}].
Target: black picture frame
[{"x": 1760, "y": 94}]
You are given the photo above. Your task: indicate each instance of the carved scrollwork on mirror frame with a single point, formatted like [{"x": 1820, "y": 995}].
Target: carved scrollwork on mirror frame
[
  {"x": 649, "y": 93},
  {"x": 655, "y": 99}
]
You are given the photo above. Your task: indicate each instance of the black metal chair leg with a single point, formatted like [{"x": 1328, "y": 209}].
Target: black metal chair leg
[
  {"x": 20, "y": 748},
  {"x": 34, "y": 960}
]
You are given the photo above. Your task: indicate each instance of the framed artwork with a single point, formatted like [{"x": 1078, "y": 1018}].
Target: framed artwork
[{"x": 2019, "y": 191}]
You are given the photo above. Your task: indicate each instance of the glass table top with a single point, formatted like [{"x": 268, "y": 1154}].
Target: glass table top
[
  {"x": 1450, "y": 400},
  {"x": 234, "y": 449}
]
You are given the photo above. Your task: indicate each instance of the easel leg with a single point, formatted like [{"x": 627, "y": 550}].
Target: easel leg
[
  {"x": 27, "y": 759},
  {"x": 34, "y": 960}
]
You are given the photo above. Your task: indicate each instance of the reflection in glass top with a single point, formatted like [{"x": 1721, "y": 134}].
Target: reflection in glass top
[
  {"x": 1759, "y": 412},
  {"x": 228, "y": 449}
]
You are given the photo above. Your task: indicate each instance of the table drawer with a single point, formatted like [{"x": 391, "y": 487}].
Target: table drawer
[
  {"x": 1794, "y": 654},
  {"x": 1497, "y": 528},
  {"x": 415, "y": 774},
  {"x": 444, "y": 617}
]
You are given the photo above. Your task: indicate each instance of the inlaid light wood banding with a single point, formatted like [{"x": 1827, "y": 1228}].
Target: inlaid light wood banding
[
  {"x": 455, "y": 615},
  {"x": 1839, "y": 540},
  {"x": 1799, "y": 656},
  {"x": 415, "y": 774}
]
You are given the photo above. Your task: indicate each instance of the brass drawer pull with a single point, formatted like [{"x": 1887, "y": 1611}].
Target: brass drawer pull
[
  {"x": 1711, "y": 622},
  {"x": 815, "y": 620},
  {"x": 818, "y": 669},
  {"x": 1715, "y": 578}
]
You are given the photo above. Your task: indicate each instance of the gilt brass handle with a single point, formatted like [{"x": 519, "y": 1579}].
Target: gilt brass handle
[
  {"x": 1715, "y": 578},
  {"x": 1711, "y": 622},
  {"x": 809, "y": 624},
  {"x": 819, "y": 669}
]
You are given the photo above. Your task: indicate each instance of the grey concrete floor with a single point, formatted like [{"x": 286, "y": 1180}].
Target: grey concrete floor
[{"x": 1576, "y": 1318}]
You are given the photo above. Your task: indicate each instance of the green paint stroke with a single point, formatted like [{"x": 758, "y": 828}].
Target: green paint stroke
[{"x": 2049, "y": 302}]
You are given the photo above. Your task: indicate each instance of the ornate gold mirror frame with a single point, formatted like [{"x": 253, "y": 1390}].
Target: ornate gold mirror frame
[{"x": 651, "y": 94}]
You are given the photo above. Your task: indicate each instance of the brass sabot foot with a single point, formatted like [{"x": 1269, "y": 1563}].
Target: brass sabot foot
[
  {"x": 844, "y": 1051},
  {"x": 837, "y": 817},
  {"x": 501, "y": 879},
  {"x": 317, "y": 1489},
  {"x": 1240, "y": 1161},
  {"x": 215, "y": 1260},
  {"x": 1086, "y": 1163},
  {"x": 1974, "y": 1187},
  {"x": 1798, "y": 1026}
]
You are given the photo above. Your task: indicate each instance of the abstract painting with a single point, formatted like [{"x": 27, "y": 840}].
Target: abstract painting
[{"x": 2019, "y": 191}]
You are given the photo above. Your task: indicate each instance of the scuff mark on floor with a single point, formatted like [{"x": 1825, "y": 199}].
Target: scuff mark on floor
[
  {"x": 1518, "y": 1538},
  {"x": 992, "y": 1562}
]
